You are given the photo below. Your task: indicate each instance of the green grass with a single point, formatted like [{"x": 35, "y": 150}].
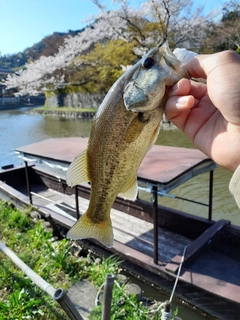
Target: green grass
[
  {"x": 58, "y": 263},
  {"x": 19, "y": 297}
]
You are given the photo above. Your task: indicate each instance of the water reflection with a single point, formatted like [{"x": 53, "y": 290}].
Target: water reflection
[
  {"x": 56, "y": 127},
  {"x": 171, "y": 136},
  {"x": 224, "y": 206}
]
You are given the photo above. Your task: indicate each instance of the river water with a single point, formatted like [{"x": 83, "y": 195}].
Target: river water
[{"x": 20, "y": 127}]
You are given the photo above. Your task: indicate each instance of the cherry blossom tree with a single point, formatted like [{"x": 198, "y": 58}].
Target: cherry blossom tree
[
  {"x": 149, "y": 25},
  {"x": 48, "y": 73},
  {"x": 156, "y": 21}
]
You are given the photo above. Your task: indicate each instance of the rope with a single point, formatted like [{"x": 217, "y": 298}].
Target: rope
[
  {"x": 178, "y": 274},
  {"x": 166, "y": 315},
  {"x": 164, "y": 307},
  {"x": 166, "y": 310}
]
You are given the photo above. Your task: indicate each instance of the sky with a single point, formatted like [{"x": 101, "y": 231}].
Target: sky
[{"x": 26, "y": 22}]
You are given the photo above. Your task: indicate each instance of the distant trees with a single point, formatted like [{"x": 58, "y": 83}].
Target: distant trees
[
  {"x": 97, "y": 70},
  {"x": 54, "y": 72},
  {"x": 225, "y": 34},
  {"x": 48, "y": 46},
  {"x": 92, "y": 60},
  {"x": 159, "y": 20},
  {"x": 12, "y": 61}
]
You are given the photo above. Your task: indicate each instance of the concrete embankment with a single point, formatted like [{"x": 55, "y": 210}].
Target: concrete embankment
[
  {"x": 11, "y": 101},
  {"x": 74, "y": 100},
  {"x": 17, "y": 102}
]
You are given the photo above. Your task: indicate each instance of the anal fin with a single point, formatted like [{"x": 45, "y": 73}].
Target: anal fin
[
  {"x": 78, "y": 170},
  {"x": 130, "y": 190}
]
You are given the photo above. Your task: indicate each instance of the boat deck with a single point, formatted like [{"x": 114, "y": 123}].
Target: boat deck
[{"x": 128, "y": 230}]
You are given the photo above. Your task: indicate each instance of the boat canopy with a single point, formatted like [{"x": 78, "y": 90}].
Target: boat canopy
[{"x": 164, "y": 166}]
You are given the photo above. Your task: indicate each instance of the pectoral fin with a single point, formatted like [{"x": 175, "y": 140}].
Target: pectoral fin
[
  {"x": 136, "y": 127},
  {"x": 154, "y": 137},
  {"x": 130, "y": 190},
  {"x": 77, "y": 171}
]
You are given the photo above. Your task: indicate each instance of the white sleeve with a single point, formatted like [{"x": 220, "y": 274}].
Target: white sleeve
[{"x": 234, "y": 185}]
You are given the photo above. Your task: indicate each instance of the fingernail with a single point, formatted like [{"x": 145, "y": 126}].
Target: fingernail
[{"x": 182, "y": 101}]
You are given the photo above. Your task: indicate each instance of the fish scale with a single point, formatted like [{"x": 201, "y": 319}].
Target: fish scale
[{"x": 124, "y": 129}]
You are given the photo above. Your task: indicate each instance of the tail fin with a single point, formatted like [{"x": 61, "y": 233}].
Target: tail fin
[{"x": 85, "y": 228}]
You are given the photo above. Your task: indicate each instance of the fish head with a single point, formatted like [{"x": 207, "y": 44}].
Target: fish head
[{"x": 147, "y": 87}]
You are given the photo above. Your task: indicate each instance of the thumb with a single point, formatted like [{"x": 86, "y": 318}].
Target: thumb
[{"x": 203, "y": 64}]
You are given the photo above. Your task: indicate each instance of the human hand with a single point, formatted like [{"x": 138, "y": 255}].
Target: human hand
[{"x": 209, "y": 114}]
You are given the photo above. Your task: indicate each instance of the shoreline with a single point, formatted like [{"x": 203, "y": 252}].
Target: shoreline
[
  {"x": 64, "y": 113},
  {"x": 80, "y": 114}
]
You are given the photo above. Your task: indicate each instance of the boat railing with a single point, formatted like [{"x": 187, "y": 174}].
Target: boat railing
[{"x": 156, "y": 189}]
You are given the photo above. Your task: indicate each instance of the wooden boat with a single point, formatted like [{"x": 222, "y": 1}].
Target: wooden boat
[{"x": 151, "y": 238}]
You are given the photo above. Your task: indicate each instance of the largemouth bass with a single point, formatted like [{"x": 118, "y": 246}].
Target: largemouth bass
[{"x": 124, "y": 129}]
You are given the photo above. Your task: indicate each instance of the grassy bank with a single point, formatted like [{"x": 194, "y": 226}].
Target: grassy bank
[
  {"x": 57, "y": 261},
  {"x": 66, "y": 112},
  {"x": 63, "y": 109}
]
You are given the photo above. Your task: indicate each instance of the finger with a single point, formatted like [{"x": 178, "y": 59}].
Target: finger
[
  {"x": 181, "y": 88},
  {"x": 178, "y": 108},
  {"x": 186, "y": 87},
  {"x": 198, "y": 90},
  {"x": 202, "y": 65}
]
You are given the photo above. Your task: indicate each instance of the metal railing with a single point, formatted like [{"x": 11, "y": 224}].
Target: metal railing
[
  {"x": 156, "y": 193},
  {"x": 154, "y": 189}
]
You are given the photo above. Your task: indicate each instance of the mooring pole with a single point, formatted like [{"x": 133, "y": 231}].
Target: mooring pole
[
  {"x": 107, "y": 297},
  {"x": 28, "y": 182},
  {"x": 210, "y": 195},
  {"x": 77, "y": 204},
  {"x": 166, "y": 312},
  {"x": 155, "y": 223},
  {"x": 63, "y": 299}
]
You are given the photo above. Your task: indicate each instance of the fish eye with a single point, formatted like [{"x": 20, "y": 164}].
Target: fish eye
[{"x": 148, "y": 63}]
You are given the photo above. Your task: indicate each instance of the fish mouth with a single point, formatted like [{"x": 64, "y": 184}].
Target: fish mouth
[
  {"x": 141, "y": 109},
  {"x": 136, "y": 99}
]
